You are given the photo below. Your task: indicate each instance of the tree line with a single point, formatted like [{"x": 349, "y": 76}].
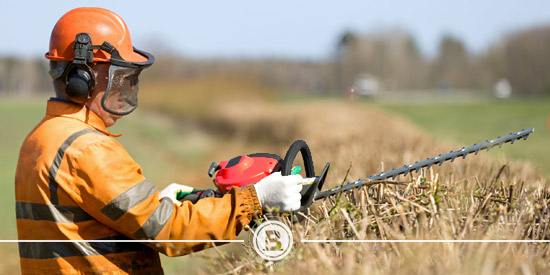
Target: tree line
[
  {"x": 391, "y": 56},
  {"x": 394, "y": 58}
]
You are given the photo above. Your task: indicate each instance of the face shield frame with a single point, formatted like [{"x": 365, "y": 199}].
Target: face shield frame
[
  {"x": 121, "y": 96},
  {"x": 122, "y": 86}
]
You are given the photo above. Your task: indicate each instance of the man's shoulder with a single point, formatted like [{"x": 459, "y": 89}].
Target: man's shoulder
[
  {"x": 56, "y": 133},
  {"x": 61, "y": 140}
]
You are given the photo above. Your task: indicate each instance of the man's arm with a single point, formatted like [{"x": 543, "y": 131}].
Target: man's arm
[{"x": 110, "y": 186}]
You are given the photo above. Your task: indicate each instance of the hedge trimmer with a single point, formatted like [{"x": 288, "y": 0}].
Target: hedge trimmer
[{"x": 247, "y": 169}]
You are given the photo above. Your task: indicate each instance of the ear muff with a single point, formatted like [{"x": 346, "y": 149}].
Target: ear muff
[
  {"x": 78, "y": 76},
  {"x": 79, "y": 82}
]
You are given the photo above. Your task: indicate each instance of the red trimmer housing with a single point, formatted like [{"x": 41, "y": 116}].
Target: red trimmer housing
[
  {"x": 249, "y": 169},
  {"x": 243, "y": 170}
]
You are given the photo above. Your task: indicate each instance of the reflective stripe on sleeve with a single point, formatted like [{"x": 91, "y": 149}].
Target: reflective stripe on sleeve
[
  {"x": 154, "y": 224},
  {"x": 128, "y": 199},
  {"x": 54, "y": 168},
  {"x": 49, "y": 212},
  {"x": 53, "y": 250}
]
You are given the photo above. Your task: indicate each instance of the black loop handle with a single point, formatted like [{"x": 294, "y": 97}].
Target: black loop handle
[{"x": 298, "y": 146}]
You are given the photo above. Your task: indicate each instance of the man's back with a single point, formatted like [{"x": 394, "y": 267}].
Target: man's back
[{"x": 49, "y": 203}]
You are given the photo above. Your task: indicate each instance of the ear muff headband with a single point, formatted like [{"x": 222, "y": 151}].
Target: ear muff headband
[{"x": 79, "y": 78}]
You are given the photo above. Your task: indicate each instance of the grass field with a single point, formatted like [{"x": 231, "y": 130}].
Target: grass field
[
  {"x": 17, "y": 119},
  {"x": 178, "y": 147},
  {"x": 471, "y": 122}
]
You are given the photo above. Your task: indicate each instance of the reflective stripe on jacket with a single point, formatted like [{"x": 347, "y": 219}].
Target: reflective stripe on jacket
[{"x": 75, "y": 182}]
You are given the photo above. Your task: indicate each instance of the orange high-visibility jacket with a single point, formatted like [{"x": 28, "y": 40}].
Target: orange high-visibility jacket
[{"x": 75, "y": 182}]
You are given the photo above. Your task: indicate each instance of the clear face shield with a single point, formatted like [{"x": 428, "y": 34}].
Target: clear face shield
[{"x": 121, "y": 96}]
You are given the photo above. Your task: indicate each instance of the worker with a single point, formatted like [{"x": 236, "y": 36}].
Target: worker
[{"x": 78, "y": 188}]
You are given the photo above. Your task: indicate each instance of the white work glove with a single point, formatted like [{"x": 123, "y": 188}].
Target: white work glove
[
  {"x": 172, "y": 190},
  {"x": 280, "y": 191}
]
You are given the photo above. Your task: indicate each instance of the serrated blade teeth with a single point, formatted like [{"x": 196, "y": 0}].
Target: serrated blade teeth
[
  {"x": 429, "y": 162},
  {"x": 452, "y": 155}
]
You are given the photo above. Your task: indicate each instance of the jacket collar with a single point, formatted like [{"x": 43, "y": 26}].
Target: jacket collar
[{"x": 63, "y": 108}]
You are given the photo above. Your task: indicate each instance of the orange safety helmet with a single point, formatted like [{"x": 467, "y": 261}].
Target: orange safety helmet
[{"x": 102, "y": 25}]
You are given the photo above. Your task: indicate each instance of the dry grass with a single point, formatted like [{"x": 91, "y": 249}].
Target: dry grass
[
  {"x": 474, "y": 199},
  {"x": 198, "y": 95}
]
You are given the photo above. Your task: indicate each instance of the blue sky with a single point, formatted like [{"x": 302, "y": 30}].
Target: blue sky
[{"x": 305, "y": 29}]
